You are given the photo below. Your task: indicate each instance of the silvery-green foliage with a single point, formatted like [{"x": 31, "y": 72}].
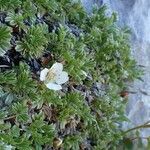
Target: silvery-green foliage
[{"x": 92, "y": 49}]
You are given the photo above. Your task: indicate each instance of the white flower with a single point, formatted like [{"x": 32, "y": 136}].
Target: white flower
[{"x": 54, "y": 77}]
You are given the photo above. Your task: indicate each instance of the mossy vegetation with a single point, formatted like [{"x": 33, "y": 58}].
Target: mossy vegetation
[{"x": 88, "y": 111}]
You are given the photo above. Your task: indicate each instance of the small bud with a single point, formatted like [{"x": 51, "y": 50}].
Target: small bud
[
  {"x": 57, "y": 142},
  {"x": 124, "y": 94}
]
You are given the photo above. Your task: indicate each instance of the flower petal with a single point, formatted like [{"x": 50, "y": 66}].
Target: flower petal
[
  {"x": 62, "y": 78},
  {"x": 57, "y": 68},
  {"x": 43, "y": 74},
  {"x": 54, "y": 86}
]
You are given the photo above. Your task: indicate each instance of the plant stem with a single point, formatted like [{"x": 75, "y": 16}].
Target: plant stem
[
  {"x": 135, "y": 138},
  {"x": 145, "y": 125},
  {"x": 8, "y": 118}
]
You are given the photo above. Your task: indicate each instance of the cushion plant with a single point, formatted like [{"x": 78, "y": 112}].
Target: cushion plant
[{"x": 84, "y": 113}]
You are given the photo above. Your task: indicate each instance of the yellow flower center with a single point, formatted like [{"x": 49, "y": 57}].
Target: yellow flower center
[{"x": 50, "y": 76}]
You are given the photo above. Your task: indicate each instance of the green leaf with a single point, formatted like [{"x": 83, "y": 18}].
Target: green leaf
[
  {"x": 5, "y": 37},
  {"x": 34, "y": 42},
  {"x": 9, "y": 99}
]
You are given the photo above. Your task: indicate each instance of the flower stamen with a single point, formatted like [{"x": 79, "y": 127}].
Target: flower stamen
[{"x": 50, "y": 76}]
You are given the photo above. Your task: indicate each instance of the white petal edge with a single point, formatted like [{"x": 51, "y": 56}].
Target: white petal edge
[
  {"x": 43, "y": 74},
  {"x": 57, "y": 68},
  {"x": 54, "y": 86},
  {"x": 62, "y": 78}
]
